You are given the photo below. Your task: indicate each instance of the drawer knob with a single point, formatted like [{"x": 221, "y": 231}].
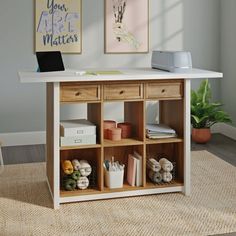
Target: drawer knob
[
  {"x": 163, "y": 90},
  {"x": 122, "y": 91},
  {"x": 78, "y": 94}
]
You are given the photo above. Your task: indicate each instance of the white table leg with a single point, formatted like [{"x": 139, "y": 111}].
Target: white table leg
[{"x": 1, "y": 161}]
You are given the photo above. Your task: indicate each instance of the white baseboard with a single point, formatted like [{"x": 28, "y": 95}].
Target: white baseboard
[
  {"x": 23, "y": 138},
  {"x": 39, "y": 137},
  {"x": 225, "y": 129}
]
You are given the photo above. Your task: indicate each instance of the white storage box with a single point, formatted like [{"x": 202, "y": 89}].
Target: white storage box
[
  {"x": 70, "y": 128},
  {"x": 78, "y": 140},
  {"x": 114, "y": 179}
]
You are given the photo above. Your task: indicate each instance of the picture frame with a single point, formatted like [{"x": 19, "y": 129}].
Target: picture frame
[
  {"x": 58, "y": 26},
  {"x": 126, "y": 24}
]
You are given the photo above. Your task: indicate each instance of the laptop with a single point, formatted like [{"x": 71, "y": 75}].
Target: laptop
[{"x": 50, "y": 61}]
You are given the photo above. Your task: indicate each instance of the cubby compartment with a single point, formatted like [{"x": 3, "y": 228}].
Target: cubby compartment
[
  {"x": 121, "y": 154},
  {"x": 172, "y": 114},
  {"x": 172, "y": 152},
  {"x": 132, "y": 104},
  {"x": 167, "y": 112},
  {"x": 88, "y": 111},
  {"x": 128, "y": 111},
  {"x": 94, "y": 158}
]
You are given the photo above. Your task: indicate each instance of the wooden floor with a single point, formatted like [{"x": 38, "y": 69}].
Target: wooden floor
[{"x": 220, "y": 145}]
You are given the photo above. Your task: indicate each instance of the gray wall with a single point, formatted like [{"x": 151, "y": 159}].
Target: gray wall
[
  {"x": 228, "y": 56},
  {"x": 174, "y": 25}
]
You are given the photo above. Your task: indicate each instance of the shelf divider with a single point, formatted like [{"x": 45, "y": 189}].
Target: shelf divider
[
  {"x": 122, "y": 142},
  {"x": 164, "y": 140}
]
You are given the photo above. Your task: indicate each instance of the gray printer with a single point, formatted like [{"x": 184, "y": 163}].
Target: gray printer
[{"x": 172, "y": 61}]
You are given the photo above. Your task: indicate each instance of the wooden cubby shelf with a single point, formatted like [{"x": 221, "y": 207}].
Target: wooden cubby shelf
[
  {"x": 171, "y": 110},
  {"x": 164, "y": 140},
  {"x": 80, "y": 147},
  {"x": 87, "y": 191},
  {"x": 133, "y": 97},
  {"x": 122, "y": 142},
  {"x": 174, "y": 183}
]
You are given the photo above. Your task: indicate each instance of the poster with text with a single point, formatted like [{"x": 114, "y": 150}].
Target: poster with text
[
  {"x": 58, "y": 25},
  {"x": 126, "y": 26}
]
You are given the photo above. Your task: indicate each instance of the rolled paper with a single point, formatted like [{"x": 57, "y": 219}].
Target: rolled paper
[
  {"x": 85, "y": 168},
  {"x": 76, "y": 175},
  {"x": 69, "y": 184},
  {"x": 67, "y": 167},
  {"x": 155, "y": 177},
  {"x": 153, "y": 165},
  {"x": 76, "y": 164},
  {"x": 166, "y": 165},
  {"x": 82, "y": 182},
  {"x": 166, "y": 176}
]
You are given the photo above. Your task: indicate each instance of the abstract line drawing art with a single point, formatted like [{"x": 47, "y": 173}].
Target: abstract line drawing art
[
  {"x": 58, "y": 26},
  {"x": 126, "y": 26}
]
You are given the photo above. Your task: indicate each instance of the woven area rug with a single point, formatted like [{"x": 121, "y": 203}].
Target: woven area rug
[{"x": 25, "y": 206}]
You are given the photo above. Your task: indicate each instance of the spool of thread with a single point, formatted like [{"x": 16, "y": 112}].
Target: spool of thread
[
  {"x": 114, "y": 134},
  {"x": 155, "y": 177},
  {"x": 76, "y": 164},
  {"x": 67, "y": 167},
  {"x": 166, "y": 176},
  {"x": 82, "y": 183},
  {"x": 126, "y": 129},
  {"x": 166, "y": 165},
  {"x": 108, "y": 124},
  {"x": 69, "y": 184},
  {"x": 153, "y": 165},
  {"x": 85, "y": 168}
]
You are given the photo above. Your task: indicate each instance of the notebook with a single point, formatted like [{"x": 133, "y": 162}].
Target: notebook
[
  {"x": 50, "y": 61},
  {"x": 131, "y": 171},
  {"x": 139, "y": 172}
]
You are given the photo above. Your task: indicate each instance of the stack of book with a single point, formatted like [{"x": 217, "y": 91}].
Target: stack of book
[
  {"x": 156, "y": 131},
  {"x": 77, "y": 132},
  {"x": 134, "y": 169}
]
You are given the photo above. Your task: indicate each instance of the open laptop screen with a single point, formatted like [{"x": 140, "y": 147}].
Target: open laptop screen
[{"x": 50, "y": 61}]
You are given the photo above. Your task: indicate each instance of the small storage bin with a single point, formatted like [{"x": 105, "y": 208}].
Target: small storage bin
[
  {"x": 114, "y": 179},
  {"x": 126, "y": 129},
  {"x": 114, "y": 134},
  {"x": 108, "y": 124}
]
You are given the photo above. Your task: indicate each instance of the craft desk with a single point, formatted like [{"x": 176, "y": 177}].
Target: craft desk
[{"x": 134, "y": 87}]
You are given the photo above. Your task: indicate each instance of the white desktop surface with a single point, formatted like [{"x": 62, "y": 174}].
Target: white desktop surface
[{"x": 127, "y": 74}]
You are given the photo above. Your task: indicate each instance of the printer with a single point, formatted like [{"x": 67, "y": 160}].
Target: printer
[{"x": 172, "y": 61}]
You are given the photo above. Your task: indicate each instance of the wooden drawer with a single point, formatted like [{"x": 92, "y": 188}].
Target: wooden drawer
[
  {"x": 74, "y": 92},
  {"x": 164, "y": 90},
  {"x": 123, "y": 91}
]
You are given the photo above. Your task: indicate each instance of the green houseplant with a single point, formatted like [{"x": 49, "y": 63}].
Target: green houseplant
[{"x": 204, "y": 113}]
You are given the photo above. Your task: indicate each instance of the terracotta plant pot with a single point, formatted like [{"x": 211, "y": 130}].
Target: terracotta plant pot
[{"x": 201, "y": 135}]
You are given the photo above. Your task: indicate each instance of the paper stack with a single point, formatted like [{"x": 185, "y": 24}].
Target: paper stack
[{"x": 156, "y": 131}]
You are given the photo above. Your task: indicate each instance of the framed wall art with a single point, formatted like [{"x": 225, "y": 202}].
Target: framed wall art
[
  {"x": 126, "y": 26},
  {"x": 58, "y": 25}
]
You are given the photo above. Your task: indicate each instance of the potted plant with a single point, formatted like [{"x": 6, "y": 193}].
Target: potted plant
[{"x": 204, "y": 113}]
